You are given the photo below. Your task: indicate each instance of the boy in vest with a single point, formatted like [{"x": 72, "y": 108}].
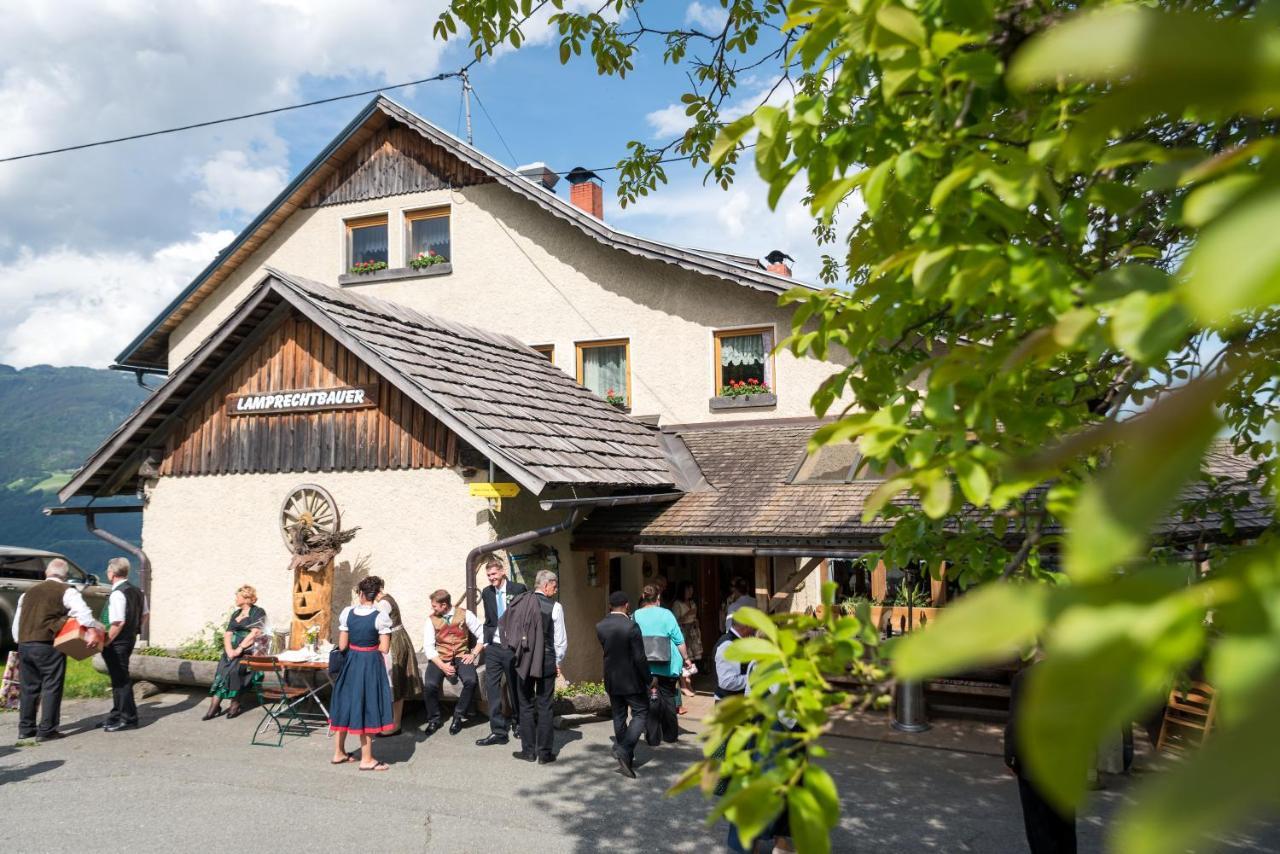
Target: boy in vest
[
  {"x": 123, "y": 616},
  {"x": 41, "y": 612},
  {"x": 446, "y": 641}
]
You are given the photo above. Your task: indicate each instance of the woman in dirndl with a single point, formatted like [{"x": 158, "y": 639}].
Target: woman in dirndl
[
  {"x": 232, "y": 678},
  {"x": 362, "y": 695},
  {"x": 402, "y": 661}
]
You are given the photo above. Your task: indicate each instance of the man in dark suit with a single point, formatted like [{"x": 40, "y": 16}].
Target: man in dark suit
[
  {"x": 499, "y": 659},
  {"x": 626, "y": 678}
]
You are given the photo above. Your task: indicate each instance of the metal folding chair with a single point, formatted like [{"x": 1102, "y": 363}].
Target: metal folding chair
[{"x": 281, "y": 702}]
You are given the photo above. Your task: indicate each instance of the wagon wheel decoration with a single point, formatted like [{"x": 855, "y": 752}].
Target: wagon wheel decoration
[{"x": 308, "y": 508}]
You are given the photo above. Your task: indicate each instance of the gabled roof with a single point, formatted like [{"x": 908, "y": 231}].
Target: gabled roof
[
  {"x": 149, "y": 349},
  {"x": 504, "y": 399}
]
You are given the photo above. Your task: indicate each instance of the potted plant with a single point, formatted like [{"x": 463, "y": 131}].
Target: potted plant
[
  {"x": 612, "y": 396},
  {"x": 582, "y": 698},
  {"x": 363, "y": 268},
  {"x": 430, "y": 258}
]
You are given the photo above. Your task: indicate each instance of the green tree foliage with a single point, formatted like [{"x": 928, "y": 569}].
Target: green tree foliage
[
  {"x": 1053, "y": 252},
  {"x": 769, "y": 737}
]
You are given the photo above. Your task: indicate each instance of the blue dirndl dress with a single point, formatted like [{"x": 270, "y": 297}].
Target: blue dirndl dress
[{"x": 362, "y": 695}]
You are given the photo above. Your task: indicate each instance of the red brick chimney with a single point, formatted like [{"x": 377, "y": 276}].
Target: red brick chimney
[
  {"x": 585, "y": 191},
  {"x": 778, "y": 263}
]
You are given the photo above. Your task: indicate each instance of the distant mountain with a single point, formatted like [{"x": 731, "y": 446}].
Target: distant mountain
[{"x": 51, "y": 419}]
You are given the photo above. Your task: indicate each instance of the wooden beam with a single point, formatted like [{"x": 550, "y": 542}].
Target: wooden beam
[
  {"x": 782, "y": 597},
  {"x": 938, "y": 586},
  {"x": 879, "y": 582},
  {"x": 762, "y": 582}
]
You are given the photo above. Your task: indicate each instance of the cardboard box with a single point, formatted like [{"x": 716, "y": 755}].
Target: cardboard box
[{"x": 73, "y": 640}]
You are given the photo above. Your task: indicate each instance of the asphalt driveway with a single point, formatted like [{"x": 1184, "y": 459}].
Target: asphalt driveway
[{"x": 179, "y": 783}]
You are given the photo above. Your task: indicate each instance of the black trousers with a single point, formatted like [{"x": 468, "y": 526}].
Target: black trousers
[
  {"x": 500, "y": 682},
  {"x": 628, "y": 736},
  {"x": 536, "y": 694},
  {"x": 44, "y": 670},
  {"x": 663, "y": 725},
  {"x": 123, "y": 708},
  {"x": 1048, "y": 832},
  {"x": 433, "y": 683}
]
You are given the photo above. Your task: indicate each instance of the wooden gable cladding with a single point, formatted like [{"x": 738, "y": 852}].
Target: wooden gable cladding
[
  {"x": 297, "y": 354},
  {"x": 394, "y": 160}
]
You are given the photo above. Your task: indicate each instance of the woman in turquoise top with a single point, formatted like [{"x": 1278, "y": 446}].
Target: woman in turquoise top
[{"x": 656, "y": 621}]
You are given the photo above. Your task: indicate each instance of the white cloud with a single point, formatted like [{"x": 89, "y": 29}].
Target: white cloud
[
  {"x": 94, "y": 243},
  {"x": 72, "y": 307},
  {"x": 708, "y": 16},
  {"x": 89, "y": 70},
  {"x": 231, "y": 184},
  {"x": 539, "y": 31},
  {"x": 671, "y": 120}
]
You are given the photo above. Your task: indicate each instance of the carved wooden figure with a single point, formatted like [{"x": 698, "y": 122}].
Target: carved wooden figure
[{"x": 312, "y": 597}]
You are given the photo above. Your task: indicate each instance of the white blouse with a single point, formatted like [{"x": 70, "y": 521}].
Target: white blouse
[{"x": 383, "y": 622}]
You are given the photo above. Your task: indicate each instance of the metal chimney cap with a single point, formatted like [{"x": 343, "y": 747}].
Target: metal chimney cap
[{"x": 580, "y": 175}]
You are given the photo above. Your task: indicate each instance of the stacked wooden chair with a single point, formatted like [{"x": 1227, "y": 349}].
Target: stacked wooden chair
[{"x": 1188, "y": 717}]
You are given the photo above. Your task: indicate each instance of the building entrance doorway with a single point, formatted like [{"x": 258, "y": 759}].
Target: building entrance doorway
[{"x": 711, "y": 577}]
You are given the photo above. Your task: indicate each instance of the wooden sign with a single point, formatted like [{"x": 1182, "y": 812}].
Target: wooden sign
[
  {"x": 303, "y": 400},
  {"x": 495, "y": 490}
]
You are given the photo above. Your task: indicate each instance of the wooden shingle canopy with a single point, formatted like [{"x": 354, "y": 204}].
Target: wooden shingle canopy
[
  {"x": 755, "y": 501},
  {"x": 357, "y": 165},
  {"x": 498, "y": 396}
]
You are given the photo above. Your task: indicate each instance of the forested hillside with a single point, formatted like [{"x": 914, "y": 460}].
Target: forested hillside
[{"x": 50, "y": 420}]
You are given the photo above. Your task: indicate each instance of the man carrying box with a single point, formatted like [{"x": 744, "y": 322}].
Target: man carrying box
[{"x": 42, "y": 610}]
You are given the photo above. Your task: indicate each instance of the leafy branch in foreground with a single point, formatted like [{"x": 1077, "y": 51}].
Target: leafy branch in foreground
[
  {"x": 1052, "y": 225},
  {"x": 770, "y": 736}
]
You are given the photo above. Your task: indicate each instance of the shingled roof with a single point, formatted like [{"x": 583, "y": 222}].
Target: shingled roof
[
  {"x": 504, "y": 399},
  {"x": 755, "y": 503}
]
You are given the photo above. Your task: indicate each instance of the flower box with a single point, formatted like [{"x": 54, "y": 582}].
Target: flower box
[
  {"x": 395, "y": 274},
  {"x": 746, "y": 401}
]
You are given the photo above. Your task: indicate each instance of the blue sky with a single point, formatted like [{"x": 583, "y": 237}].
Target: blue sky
[{"x": 93, "y": 244}]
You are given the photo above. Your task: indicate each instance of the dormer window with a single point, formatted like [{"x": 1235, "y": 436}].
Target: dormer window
[
  {"x": 367, "y": 243},
  {"x": 426, "y": 237}
]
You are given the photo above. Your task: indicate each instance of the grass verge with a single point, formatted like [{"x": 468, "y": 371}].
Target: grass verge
[{"x": 83, "y": 681}]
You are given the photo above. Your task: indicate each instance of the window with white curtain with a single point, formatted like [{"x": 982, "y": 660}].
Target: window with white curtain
[
  {"x": 367, "y": 240},
  {"x": 743, "y": 356},
  {"x": 427, "y": 234},
  {"x": 603, "y": 368}
]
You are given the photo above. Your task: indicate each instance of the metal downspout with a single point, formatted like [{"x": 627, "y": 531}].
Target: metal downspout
[
  {"x": 514, "y": 540},
  {"x": 144, "y": 562}
]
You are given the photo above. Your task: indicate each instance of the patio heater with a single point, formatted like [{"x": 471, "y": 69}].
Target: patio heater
[{"x": 909, "y": 712}]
